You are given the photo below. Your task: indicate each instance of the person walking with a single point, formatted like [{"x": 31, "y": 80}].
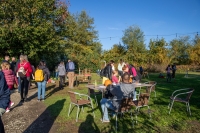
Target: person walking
[
  {"x": 4, "y": 99},
  {"x": 70, "y": 67},
  {"x": 24, "y": 71},
  {"x": 62, "y": 72},
  {"x": 43, "y": 71},
  {"x": 10, "y": 80}
]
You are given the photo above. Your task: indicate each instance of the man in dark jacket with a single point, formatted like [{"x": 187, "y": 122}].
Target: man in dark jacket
[
  {"x": 4, "y": 99},
  {"x": 125, "y": 89}
]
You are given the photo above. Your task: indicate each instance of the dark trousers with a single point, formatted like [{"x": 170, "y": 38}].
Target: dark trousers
[
  {"x": 24, "y": 87},
  {"x": 62, "y": 81},
  {"x": 1, "y": 126},
  {"x": 173, "y": 74}
]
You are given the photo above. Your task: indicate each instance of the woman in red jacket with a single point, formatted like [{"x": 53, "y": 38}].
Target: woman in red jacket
[
  {"x": 24, "y": 71},
  {"x": 10, "y": 79}
]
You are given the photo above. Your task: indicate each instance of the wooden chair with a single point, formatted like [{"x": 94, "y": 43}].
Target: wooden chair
[
  {"x": 151, "y": 88},
  {"x": 79, "y": 102},
  {"x": 94, "y": 93},
  {"x": 125, "y": 107},
  {"x": 183, "y": 92},
  {"x": 141, "y": 102}
]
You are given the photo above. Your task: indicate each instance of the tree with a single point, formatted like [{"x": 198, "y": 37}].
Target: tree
[
  {"x": 179, "y": 50},
  {"x": 194, "y": 52},
  {"x": 32, "y": 27},
  {"x": 82, "y": 41},
  {"x": 158, "y": 52},
  {"x": 133, "y": 39}
]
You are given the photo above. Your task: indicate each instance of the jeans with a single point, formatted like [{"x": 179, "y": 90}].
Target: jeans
[
  {"x": 106, "y": 103},
  {"x": 19, "y": 84},
  {"x": 56, "y": 75},
  {"x": 41, "y": 88},
  {"x": 134, "y": 95}
]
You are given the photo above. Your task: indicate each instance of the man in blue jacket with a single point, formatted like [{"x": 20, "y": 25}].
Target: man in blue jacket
[{"x": 4, "y": 98}]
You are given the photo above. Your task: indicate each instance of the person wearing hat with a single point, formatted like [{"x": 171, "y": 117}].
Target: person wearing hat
[{"x": 125, "y": 89}]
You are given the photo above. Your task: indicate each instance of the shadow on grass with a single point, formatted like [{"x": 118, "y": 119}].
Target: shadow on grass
[
  {"x": 45, "y": 121},
  {"x": 88, "y": 125}
]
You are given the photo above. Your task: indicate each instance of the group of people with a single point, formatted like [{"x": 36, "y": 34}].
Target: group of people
[
  {"x": 109, "y": 72},
  {"x": 117, "y": 88},
  {"x": 68, "y": 70},
  {"x": 19, "y": 74},
  {"x": 171, "y": 71}
]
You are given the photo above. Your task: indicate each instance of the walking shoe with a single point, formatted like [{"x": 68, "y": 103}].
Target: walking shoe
[
  {"x": 7, "y": 110},
  {"x": 104, "y": 120},
  {"x": 38, "y": 100},
  {"x": 11, "y": 104},
  {"x": 43, "y": 100},
  {"x": 22, "y": 100}
]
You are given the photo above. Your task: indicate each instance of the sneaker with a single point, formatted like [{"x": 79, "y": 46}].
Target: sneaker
[
  {"x": 7, "y": 110},
  {"x": 38, "y": 100},
  {"x": 106, "y": 121},
  {"x": 43, "y": 100},
  {"x": 134, "y": 99},
  {"x": 11, "y": 104},
  {"x": 22, "y": 100}
]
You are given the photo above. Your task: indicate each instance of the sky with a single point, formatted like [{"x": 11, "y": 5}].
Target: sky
[{"x": 168, "y": 19}]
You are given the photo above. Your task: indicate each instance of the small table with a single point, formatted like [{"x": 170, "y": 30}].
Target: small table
[
  {"x": 141, "y": 85},
  {"x": 98, "y": 87}
]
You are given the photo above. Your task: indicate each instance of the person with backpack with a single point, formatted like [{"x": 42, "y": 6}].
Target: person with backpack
[
  {"x": 70, "y": 68},
  {"x": 24, "y": 71},
  {"x": 61, "y": 72},
  {"x": 107, "y": 71},
  {"x": 4, "y": 99},
  {"x": 42, "y": 75}
]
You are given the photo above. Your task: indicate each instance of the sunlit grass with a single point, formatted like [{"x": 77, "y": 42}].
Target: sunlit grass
[{"x": 161, "y": 121}]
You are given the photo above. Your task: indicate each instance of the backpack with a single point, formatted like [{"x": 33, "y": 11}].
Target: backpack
[
  {"x": 71, "y": 66},
  {"x": 102, "y": 72},
  {"x": 21, "y": 71},
  {"x": 39, "y": 75}
]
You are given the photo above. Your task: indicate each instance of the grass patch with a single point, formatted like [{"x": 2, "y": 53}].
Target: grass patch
[{"x": 161, "y": 121}]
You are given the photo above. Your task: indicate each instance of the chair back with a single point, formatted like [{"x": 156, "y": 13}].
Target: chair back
[
  {"x": 143, "y": 99},
  {"x": 125, "y": 106},
  {"x": 190, "y": 91},
  {"x": 72, "y": 96},
  {"x": 153, "y": 87}
]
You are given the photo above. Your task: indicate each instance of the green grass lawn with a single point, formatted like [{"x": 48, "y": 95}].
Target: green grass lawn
[{"x": 178, "y": 121}]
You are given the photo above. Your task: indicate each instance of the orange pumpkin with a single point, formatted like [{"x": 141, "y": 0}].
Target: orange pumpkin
[{"x": 107, "y": 82}]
